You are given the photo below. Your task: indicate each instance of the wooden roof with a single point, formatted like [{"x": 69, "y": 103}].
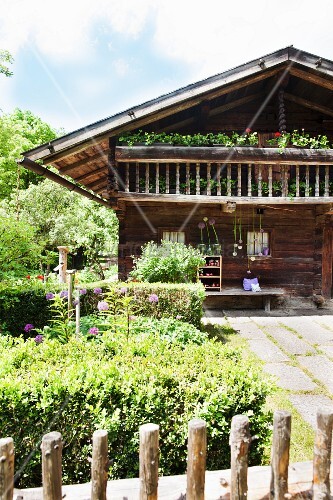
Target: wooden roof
[{"x": 307, "y": 79}]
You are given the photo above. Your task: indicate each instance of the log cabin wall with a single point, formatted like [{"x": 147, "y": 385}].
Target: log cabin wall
[{"x": 296, "y": 235}]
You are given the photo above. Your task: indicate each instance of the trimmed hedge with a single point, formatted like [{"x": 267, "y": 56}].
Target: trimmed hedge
[
  {"x": 20, "y": 305},
  {"x": 118, "y": 385}
]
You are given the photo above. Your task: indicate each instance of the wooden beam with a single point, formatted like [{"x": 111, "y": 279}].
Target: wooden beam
[
  {"x": 92, "y": 173},
  {"x": 81, "y": 163},
  {"x": 156, "y": 154},
  {"x": 309, "y": 104},
  {"x": 311, "y": 77},
  {"x": 219, "y": 200},
  {"x": 234, "y": 104}
]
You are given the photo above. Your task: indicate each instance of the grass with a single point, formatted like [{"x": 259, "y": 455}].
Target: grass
[{"x": 302, "y": 435}]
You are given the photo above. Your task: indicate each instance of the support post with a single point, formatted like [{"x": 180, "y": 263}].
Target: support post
[
  {"x": 196, "y": 459},
  {"x": 100, "y": 465},
  {"x": 280, "y": 455},
  {"x": 71, "y": 276},
  {"x": 322, "y": 455},
  {"x": 149, "y": 461},
  {"x": 239, "y": 444},
  {"x": 62, "y": 268},
  {"x": 6, "y": 469},
  {"x": 51, "y": 466}
]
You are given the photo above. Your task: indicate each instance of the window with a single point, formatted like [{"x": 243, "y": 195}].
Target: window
[
  {"x": 174, "y": 236},
  {"x": 258, "y": 243}
]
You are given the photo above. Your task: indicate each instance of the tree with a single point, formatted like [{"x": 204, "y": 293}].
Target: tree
[
  {"x": 62, "y": 217},
  {"x": 19, "y": 131},
  {"x": 5, "y": 59},
  {"x": 18, "y": 250}
]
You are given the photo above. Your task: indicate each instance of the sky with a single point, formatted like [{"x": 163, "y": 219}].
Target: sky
[{"x": 77, "y": 62}]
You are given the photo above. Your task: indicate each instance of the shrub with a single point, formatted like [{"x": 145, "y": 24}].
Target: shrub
[
  {"x": 168, "y": 262},
  {"x": 22, "y": 304},
  {"x": 118, "y": 385}
]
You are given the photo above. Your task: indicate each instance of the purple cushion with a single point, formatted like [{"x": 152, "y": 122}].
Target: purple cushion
[{"x": 247, "y": 282}]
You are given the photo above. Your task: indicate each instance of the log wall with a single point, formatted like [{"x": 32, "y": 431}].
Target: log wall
[{"x": 295, "y": 263}]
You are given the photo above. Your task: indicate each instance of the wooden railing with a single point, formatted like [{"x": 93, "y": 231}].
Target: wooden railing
[
  {"x": 255, "y": 173},
  {"x": 196, "y": 465}
]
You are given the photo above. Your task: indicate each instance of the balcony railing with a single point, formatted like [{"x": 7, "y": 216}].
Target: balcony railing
[{"x": 218, "y": 172}]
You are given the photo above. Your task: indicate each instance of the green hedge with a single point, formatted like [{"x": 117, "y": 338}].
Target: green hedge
[
  {"x": 118, "y": 385},
  {"x": 20, "y": 305}
]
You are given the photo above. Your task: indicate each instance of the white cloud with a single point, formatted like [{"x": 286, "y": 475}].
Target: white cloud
[{"x": 121, "y": 67}]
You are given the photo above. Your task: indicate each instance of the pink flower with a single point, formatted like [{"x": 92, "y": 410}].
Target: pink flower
[
  {"x": 211, "y": 221},
  {"x": 94, "y": 330},
  {"x": 102, "y": 306},
  {"x": 153, "y": 298},
  {"x": 248, "y": 130},
  {"x": 201, "y": 225}
]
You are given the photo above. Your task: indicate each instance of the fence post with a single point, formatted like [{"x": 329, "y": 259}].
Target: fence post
[
  {"x": 322, "y": 455},
  {"x": 99, "y": 465},
  {"x": 239, "y": 444},
  {"x": 149, "y": 461},
  {"x": 280, "y": 454},
  {"x": 51, "y": 466},
  {"x": 196, "y": 465},
  {"x": 6, "y": 469}
]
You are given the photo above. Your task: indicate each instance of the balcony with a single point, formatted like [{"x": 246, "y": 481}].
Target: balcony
[{"x": 239, "y": 174}]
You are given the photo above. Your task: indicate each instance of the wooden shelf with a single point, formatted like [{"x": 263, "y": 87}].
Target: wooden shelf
[{"x": 215, "y": 276}]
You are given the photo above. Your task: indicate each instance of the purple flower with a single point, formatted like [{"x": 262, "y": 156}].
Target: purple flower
[
  {"x": 211, "y": 221},
  {"x": 94, "y": 330},
  {"x": 63, "y": 294},
  {"x": 153, "y": 298},
  {"x": 49, "y": 296},
  {"x": 39, "y": 339},
  {"x": 123, "y": 290},
  {"x": 83, "y": 291},
  {"x": 28, "y": 327},
  {"x": 75, "y": 302},
  {"x": 98, "y": 291},
  {"x": 201, "y": 225},
  {"x": 102, "y": 305}
]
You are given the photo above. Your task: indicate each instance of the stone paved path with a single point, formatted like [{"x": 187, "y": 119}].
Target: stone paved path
[{"x": 297, "y": 349}]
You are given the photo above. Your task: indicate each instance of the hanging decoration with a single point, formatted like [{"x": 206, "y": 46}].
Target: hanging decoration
[{"x": 234, "y": 253}]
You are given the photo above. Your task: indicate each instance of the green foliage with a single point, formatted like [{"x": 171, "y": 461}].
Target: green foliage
[
  {"x": 19, "y": 131},
  {"x": 61, "y": 326},
  {"x": 5, "y": 59},
  {"x": 18, "y": 249},
  {"x": 299, "y": 139},
  {"x": 168, "y": 262},
  {"x": 248, "y": 138},
  {"x": 25, "y": 302},
  {"x": 118, "y": 385},
  {"x": 62, "y": 217}
]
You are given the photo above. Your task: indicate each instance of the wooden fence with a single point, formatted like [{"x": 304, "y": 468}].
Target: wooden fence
[{"x": 196, "y": 469}]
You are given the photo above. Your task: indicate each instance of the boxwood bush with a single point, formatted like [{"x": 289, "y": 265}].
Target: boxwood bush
[
  {"x": 118, "y": 385},
  {"x": 22, "y": 304}
]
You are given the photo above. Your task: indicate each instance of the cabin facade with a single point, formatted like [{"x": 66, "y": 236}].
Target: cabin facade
[{"x": 272, "y": 206}]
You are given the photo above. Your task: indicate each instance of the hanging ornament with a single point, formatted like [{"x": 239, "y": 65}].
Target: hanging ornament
[{"x": 234, "y": 253}]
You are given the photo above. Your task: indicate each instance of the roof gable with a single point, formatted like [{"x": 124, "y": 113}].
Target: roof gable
[{"x": 289, "y": 60}]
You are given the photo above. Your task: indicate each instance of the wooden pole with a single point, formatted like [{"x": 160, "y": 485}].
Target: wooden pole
[
  {"x": 99, "y": 466},
  {"x": 280, "y": 455},
  {"x": 71, "y": 277},
  {"x": 196, "y": 465},
  {"x": 149, "y": 461},
  {"x": 239, "y": 444},
  {"x": 62, "y": 267},
  {"x": 322, "y": 455},
  {"x": 51, "y": 466},
  {"x": 6, "y": 469}
]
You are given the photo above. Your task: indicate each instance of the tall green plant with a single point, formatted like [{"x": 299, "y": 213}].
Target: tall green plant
[{"x": 169, "y": 262}]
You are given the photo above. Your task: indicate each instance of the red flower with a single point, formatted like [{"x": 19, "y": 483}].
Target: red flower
[
  {"x": 277, "y": 134},
  {"x": 28, "y": 277},
  {"x": 40, "y": 277},
  {"x": 248, "y": 130}
]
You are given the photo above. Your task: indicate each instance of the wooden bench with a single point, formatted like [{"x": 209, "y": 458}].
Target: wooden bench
[{"x": 265, "y": 293}]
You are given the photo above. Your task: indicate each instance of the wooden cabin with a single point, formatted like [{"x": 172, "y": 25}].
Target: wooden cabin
[{"x": 272, "y": 207}]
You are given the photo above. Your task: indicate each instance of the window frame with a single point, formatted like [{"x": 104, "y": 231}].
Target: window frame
[
  {"x": 161, "y": 230},
  {"x": 270, "y": 233}
]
